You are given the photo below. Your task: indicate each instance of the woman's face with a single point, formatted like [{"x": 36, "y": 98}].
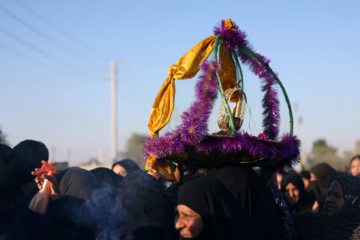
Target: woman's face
[
  {"x": 335, "y": 199},
  {"x": 188, "y": 222},
  {"x": 279, "y": 177},
  {"x": 306, "y": 182},
  {"x": 355, "y": 167},
  {"x": 119, "y": 170},
  {"x": 292, "y": 193}
]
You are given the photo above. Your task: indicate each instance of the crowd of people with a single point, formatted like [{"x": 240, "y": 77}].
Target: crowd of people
[{"x": 225, "y": 202}]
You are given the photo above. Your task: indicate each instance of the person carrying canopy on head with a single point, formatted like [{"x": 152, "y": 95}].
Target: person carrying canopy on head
[{"x": 207, "y": 210}]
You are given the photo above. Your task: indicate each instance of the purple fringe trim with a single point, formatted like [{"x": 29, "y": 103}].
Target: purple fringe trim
[{"x": 286, "y": 150}]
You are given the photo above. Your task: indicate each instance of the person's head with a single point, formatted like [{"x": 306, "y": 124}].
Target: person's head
[
  {"x": 335, "y": 199},
  {"x": 207, "y": 210},
  {"x": 79, "y": 207},
  {"x": 292, "y": 186},
  {"x": 343, "y": 197},
  {"x": 31, "y": 153},
  {"x": 188, "y": 222},
  {"x": 109, "y": 187},
  {"x": 9, "y": 173},
  {"x": 145, "y": 205},
  {"x": 323, "y": 174},
  {"x": 355, "y": 165},
  {"x": 279, "y": 177},
  {"x": 124, "y": 167},
  {"x": 305, "y": 176}
]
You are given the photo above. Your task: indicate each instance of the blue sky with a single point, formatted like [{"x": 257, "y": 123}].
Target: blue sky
[{"x": 54, "y": 66}]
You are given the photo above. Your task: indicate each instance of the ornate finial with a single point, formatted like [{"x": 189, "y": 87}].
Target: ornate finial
[{"x": 229, "y": 24}]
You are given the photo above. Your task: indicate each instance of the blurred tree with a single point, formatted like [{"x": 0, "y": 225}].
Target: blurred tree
[
  {"x": 320, "y": 143},
  {"x": 3, "y": 138},
  {"x": 321, "y": 152},
  {"x": 135, "y": 149}
]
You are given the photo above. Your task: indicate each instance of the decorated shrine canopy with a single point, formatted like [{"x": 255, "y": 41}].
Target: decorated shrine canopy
[{"x": 190, "y": 143}]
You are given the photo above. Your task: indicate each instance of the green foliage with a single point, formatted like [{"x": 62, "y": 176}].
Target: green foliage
[
  {"x": 320, "y": 143},
  {"x": 3, "y": 139},
  {"x": 321, "y": 152},
  {"x": 135, "y": 149}
]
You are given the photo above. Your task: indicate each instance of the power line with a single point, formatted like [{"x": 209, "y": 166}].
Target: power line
[
  {"x": 39, "y": 63},
  {"x": 34, "y": 48},
  {"x": 58, "y": 29},
  {"x": 41, "y": 34}
]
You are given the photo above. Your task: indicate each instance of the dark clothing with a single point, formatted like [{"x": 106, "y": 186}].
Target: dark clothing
[
  {"x": 256, "y": 200},
  {"x": 128, "y": 164},
  {"x": 305, "y": 202},
  {"x": 107, "y": 178},
  {"x": 10, "y": 227},
  {"x": 10, "y": 185},
  {"x": 318, "y": 189},
  {"x": 109, "y": 186},
  {"x": 10, "y": 173},
  {"x": 146, "y": 208},
  {"x": 222, "y": 217},
  {"x": 76, "y": 215},
  {"x": 34, "y": 223},
  {"x": 344, "y": 225}
]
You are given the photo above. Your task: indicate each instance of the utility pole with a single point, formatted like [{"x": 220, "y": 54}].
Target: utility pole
[
  {"x": 52, "y": 154},
  {"x": 114, "y": 143},
  {"x": 298, "y": 132},
  {"x": 68, "y": 156},
  {"x": 101, "y": 155}
]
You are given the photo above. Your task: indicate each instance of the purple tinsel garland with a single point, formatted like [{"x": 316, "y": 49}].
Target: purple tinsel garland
[
  {"x": 194, "y": 120},
  {"x": 270, "y": 101},
  {"x": 193, "y": 130}
]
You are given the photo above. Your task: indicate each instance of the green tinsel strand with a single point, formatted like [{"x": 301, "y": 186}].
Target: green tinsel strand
[
  {"x": 250, "y": 53},
  {"x": 238, "y": 68},
  {"x": 229, "y": 117}
]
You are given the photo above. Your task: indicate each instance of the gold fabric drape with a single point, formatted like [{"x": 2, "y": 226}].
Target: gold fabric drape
[
  {"x": 227, "y": 71},
  {"x": 186, "y": 67}
]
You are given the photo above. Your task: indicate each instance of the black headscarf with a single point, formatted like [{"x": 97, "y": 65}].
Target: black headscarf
[
  {"x": 318, "y": 189},
  {"x": 128, "y": 164},
  {"x": 223, "y": 218},
  {"x": 108, "y": 193},
  {"x": 256, "y": 200},
  {"x": 107, "y": 178},
  {"x": 9, "y": 171},
  {"x": 324, "y": 174},
  {"x": 10, "y": 225},
  {"x": 77, "y": 213},
  {"x": 31, "y": 153},
  {"x": 305, "y": 203},
  {"x": 146, "y": 208},
  {"x": 305, "y": 174},
  {"x": 343, "y": 225}
]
